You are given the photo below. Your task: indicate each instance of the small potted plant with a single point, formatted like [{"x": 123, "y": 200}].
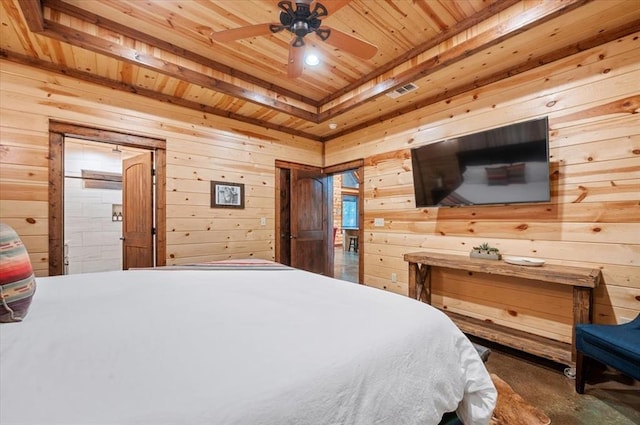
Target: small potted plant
[{"x": 485, "y": 251}]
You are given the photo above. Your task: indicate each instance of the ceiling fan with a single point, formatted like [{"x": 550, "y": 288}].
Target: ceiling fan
[{"x": 301, "y": 21}]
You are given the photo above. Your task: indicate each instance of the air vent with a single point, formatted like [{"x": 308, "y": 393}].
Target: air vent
[{"x": 402, "y": 90}]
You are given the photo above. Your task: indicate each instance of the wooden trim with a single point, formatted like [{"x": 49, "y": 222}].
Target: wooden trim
[
  {"x": 328, "y": 228},
  {"x": 595, "y": 41},
  {"x": 296, "y": 166},
  {"x": 345, "y": 166},
  {"x": 32, "y": 11},
  {"x": 450, "y": 32},
  {"x": 161, "y": 44},
  {"x": 149, "y": 61},
  {"x": 56, "y": 204},
  {"x": 161, "y": 206},
  {"x": 106, "y": 136},
  {"x": 514, "y": 26},
  {"x": 57, "y": 132},
  {"x": 537, "y": 15},
  {"x": 150, "y": 94},
  {"x": 362, "y": 246},
  {"x": 277, "y": 195}
]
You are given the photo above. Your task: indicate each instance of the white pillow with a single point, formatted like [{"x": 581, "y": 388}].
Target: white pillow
[{"x": 475, "y": 174}]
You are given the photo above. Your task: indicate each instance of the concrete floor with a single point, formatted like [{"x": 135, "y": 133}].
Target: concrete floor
[
  {"x": 610, "y": 398},
  {"x": 345, "y": 264}
]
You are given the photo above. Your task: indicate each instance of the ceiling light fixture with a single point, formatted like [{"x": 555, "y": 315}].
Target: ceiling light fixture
[
  {"x": 333, "y": 125},
  {"x": 311, "y": 59}
]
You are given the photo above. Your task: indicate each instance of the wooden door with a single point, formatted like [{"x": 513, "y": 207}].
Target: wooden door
[
  {"x": 310, "y": 214},
  {"x": 283, "y": 222},
  {"x": 137, "y": 207}
]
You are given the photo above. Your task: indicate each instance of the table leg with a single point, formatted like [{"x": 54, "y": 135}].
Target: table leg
[
  {"x": 420, "y": 282},
  {"x": 582, "y": 312}
]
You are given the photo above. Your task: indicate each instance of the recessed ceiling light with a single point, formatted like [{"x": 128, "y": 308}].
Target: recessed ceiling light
[{"x": 311, "y": 59}]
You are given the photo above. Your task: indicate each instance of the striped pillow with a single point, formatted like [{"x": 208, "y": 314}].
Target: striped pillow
[{"x": 17, "y": 282}]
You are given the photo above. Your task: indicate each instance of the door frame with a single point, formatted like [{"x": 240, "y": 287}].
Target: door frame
[
  {"x": 57, "y": 132},
  {"x": 358, "y": 165}
]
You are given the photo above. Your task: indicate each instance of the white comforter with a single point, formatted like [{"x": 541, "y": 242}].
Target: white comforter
[{"x": 224, "y": 347}]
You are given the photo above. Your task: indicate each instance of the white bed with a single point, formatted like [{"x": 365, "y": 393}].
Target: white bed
[
  {"x": 274, "y": 347},
  {"x": 530, "y": 186}
]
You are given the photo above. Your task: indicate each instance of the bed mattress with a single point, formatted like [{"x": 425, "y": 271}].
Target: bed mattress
[{"x": 222, "y": 346}]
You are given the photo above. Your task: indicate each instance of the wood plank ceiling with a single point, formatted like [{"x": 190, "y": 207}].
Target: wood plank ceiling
[{"x": 164, "y": 50}]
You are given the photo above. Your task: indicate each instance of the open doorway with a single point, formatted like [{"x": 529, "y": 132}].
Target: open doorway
[
  {"x": 346, "y": 225},
  {"x": 309, "y": 203},
  {"x": 93, "y": 205},
  {"x": 143, "y": 194}
]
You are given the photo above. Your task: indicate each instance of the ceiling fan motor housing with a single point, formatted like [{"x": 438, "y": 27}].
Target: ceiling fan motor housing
[{"x": 302, "y": 21}]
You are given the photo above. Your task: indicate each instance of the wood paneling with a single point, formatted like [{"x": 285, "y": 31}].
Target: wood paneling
[
  {"x": 164, "y": 51},
  {"x": 593, "y": 218},
  {"x": 591, "y": 98},
  {"x": 200, "y": 148}
]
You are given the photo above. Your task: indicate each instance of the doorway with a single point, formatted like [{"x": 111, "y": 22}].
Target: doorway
[
  {"x": 346, "y": 225},
  {"x": 295, "y": 202},
  {"x": 143, "y": 195},
  {"x": 93, "y": 205}
]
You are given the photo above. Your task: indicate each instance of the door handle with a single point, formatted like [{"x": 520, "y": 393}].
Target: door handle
[
  {"x": 293, "y": 237},
  {"x": 121, "y": 239}
]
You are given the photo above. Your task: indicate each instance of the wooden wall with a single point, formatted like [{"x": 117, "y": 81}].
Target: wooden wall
[
  {"x": 200, "y": 148},
  {"x": 592, "y": 100}
]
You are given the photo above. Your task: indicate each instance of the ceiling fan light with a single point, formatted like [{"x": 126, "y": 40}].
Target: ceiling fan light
[{"x": 312, "y": 59}]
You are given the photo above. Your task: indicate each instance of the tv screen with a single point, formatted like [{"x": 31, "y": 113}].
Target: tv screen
[{"x": 504, "y": 165}]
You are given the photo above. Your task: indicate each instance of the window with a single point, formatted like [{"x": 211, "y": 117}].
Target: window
[{"x": 349, "y": 212}]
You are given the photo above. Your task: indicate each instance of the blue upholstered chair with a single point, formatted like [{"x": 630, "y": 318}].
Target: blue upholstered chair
[{"x": 617, "y": 346}]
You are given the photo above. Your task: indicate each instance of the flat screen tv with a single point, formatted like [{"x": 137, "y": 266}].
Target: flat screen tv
[{"x": 504, "y": 165}]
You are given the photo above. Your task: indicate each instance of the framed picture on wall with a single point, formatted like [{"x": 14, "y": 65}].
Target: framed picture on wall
[{"x": 227, "y": 195}]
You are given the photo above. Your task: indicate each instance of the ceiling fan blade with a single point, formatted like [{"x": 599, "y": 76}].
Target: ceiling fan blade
[
  {"x": 352, "y": 45},
  {"x": 296, "y": 60},
  {"x": 239, "y": 33}
]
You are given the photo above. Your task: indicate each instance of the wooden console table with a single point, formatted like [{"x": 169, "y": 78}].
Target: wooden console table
[{"x": 583, "y": 281}]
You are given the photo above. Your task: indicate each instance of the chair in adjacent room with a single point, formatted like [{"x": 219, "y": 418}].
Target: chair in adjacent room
[
  {"x": 353, "y": 243},
  {"x": 617, "y": 346}
]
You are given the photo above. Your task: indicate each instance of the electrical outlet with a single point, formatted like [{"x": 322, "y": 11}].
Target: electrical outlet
[
  {"x": 394, "y": 277},
  {"x": 378, "y": 222},
  {"x": 263, "y": 221}
]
